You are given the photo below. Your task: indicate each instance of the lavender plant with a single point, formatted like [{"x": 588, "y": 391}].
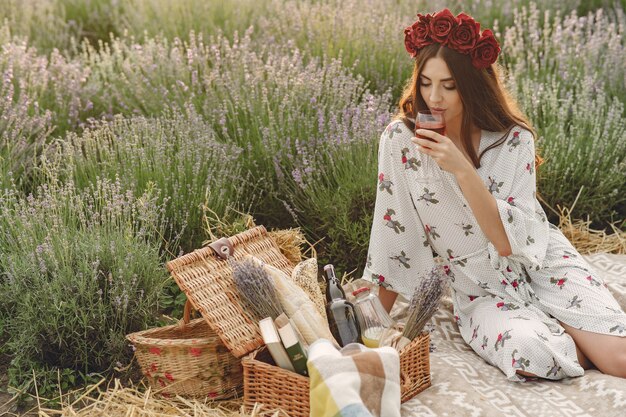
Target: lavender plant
[
  {"x": 40, "y": 21},
  {"x": 367, "y": 35},
  {"x": 568, "y": 77},
  {"x": 330, "y": 190},
  {"x": 24, "y": 129},
  {"x": 78, "y": 271},
  {"x": 571, "y": 47},
  {"x": 176, "y": 153},
  {"x": 50, "y": 84},
  {"x": 177, "y": 19}
]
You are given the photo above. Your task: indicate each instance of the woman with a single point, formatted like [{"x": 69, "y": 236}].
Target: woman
[{"x": 524, "y": 299}]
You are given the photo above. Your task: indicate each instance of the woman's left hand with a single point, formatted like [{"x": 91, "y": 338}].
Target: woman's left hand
[{"x": 443, "y": 151}]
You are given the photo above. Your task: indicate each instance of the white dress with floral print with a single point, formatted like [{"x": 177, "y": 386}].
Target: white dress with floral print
[{"x": 506, "y": 307}]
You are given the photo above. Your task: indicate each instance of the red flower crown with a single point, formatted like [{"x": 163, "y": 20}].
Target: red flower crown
[{"x": 461, "y": 33}]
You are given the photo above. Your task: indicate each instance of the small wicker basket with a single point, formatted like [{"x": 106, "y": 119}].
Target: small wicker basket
[{"x": 187, "y": 359}]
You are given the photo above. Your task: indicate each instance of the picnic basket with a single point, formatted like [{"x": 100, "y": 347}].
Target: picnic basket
[
  {"x": 278, "y": 388},
  {"x": 187, "y": 359},
  {"x": 205, "y": 276}
]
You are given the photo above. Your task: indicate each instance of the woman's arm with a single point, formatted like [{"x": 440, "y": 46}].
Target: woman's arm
[
  {"x": 484, "y": 207},
  {"x": 482, "y": 203}
]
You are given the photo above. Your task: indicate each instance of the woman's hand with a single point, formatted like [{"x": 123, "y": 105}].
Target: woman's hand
[{"x": 443, "y": 151}]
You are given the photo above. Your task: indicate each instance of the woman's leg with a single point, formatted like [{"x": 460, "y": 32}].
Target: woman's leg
[
  {"x": 582, "y": 359},
  {"x": 606, "y": 352},
  {"x": 569, "y": 290},
  {"x": 517, "y": 340}
]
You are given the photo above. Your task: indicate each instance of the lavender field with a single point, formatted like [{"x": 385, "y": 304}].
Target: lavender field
[{"x": 128, "y": 128}]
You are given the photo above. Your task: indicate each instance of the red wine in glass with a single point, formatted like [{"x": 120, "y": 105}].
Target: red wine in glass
[{"x": 431, "y": 121}]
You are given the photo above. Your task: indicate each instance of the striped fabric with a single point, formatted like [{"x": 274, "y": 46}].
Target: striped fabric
[{"x": 354, "y": 382}]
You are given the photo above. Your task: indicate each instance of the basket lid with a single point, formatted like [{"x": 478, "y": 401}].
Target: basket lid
[{"x": 206, "y": 277}]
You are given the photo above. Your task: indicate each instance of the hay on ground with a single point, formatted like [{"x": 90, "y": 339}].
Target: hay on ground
[
  {"x": 120, "y": 401},
  {"x": 587, "y": 240}
]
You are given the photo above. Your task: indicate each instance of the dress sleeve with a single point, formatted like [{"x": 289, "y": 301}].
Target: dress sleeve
[
  {"x": 524, "y": 220},
  {"x": 397, "y": 256}
]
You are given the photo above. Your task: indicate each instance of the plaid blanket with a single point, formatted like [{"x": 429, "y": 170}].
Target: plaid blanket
[{"x": 354, "y": 382}]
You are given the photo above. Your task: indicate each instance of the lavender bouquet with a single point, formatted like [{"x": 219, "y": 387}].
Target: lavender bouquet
[
  {"x": 424, "y": 302},
  {"x": 256, "y": 288}
]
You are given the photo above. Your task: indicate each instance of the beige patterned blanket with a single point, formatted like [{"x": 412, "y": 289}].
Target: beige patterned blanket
[{"x": 464, "y": 385}]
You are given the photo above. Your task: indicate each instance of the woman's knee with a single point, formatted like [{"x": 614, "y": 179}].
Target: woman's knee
[
  {"x": 606, "y": 352},
  {"x": 615, "y": 366}
]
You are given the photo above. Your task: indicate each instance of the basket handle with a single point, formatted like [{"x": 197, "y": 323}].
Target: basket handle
[{"x": 187, "y": 312}]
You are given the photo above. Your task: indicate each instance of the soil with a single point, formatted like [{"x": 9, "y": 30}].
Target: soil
[{"x": 8, "y": 403}]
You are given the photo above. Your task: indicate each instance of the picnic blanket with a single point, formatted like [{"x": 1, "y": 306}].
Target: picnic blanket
[
  {"x": 354, "y": 382},
  {"x": 465, "y": 385}
]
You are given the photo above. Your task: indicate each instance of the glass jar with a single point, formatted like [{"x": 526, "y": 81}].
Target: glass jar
[{"x": 372, "y": 316}]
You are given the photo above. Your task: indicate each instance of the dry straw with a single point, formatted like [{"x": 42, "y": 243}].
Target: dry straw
[
  {"x": 585, "y": 239},
  {"x": 289, "y": 241},
  {"x": 120, "y": 401}
]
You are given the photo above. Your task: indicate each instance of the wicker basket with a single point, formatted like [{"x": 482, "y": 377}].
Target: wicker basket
[
  {"x": 187, "y": 359},
  {"x": 205, "y": 276},
  {"x": 277, "y": 388}
]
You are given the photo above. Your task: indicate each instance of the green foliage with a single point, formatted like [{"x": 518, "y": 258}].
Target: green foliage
[
  {"x": 173, "y": 303},
  {"x": 79, "y": 271},
  {"x": 92, "y": 20},
  {"x": 176, "y": 19},
  {"x": 568, "y": 76},
  {"x": 335, "y": 205},
  {"x": 49, "y": 381},
  {"x": 176, "y": 153}
]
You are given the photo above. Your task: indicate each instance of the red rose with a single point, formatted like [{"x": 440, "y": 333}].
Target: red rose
[
  {"x": 421, "y": 30},
  {"x": 408, "y": 41},
  {"x": 417, "y": 35},
  {"x": 486, "y": 50},
  {"x": 465, "y": 35},
  {"x": 441, "y": 25}
]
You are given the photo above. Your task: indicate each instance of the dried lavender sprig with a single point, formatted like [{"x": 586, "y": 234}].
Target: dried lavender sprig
[
  {"x": 424, "y": 302},
  {"x": 256, "y": 288}
]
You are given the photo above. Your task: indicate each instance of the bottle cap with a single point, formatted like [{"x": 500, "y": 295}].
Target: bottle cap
[{"x": 360, "y": 290}]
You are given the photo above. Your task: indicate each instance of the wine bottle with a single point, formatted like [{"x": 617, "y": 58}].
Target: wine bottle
[{"x": 341, "y": 315}]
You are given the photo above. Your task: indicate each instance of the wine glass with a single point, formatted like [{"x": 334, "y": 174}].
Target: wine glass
[{"x": 434, "y": 121}]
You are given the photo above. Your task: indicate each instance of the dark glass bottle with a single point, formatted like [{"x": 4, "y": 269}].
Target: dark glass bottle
[{"x": 341, "y": 315}]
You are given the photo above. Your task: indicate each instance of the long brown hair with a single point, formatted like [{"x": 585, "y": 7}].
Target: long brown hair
[{"x": 486, "y": 103}]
